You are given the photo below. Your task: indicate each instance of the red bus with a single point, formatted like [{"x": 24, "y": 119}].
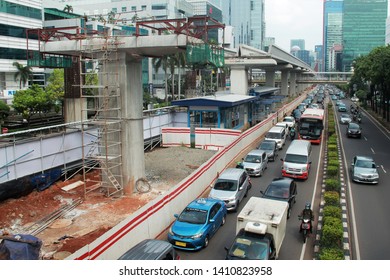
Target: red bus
[{"x": 311, "y": 125}]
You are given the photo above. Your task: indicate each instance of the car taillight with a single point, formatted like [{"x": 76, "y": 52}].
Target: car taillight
[{"x": 177, "y": 257}]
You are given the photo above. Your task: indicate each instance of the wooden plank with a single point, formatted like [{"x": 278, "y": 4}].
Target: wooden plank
[{"x": 72, "y": 186}]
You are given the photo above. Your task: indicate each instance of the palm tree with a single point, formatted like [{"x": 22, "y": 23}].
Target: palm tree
[
  {"x": 68, "y": 9},
  {"x": 159, "y": 62},
  {"x": 23, "y": 73}
]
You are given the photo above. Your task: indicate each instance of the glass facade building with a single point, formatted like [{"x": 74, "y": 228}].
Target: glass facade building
[
  {"x": 364, "y": 28},
  {"x": 16, "y": 17},
  {"x": 247, "y": 18},
  {"x": 332, "y": 32}
]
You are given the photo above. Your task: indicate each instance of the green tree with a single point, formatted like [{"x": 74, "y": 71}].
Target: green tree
[
  {"x": 162, "y": 62},
  {"x": 56, "y": 88},
  {"x": 374, "y": 69},
  {"x": 4, "y": 112},
  {"x": 31, "y": 101},
  {"x": 23, "y": 73},
  {"x": 68, "y": 9}
]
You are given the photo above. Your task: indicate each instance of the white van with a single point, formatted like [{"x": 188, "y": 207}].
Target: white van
[
  {"x": 277, "y": 134},
  {"x": 297, "y": 161}
]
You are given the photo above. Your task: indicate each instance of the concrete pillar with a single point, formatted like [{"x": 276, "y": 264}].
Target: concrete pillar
[
  {"x": 293, "y": 83},
  {"x": 73, "y": 109},
  {"x": 284, "y": 82},
  {"x": 133, "y": 162},
  {"x": 270, "y": 78},
  {"x": 239, "y": 80}
]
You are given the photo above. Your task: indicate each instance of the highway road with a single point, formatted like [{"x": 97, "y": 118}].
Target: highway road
[
  {"x": 369, "y": 205},
  {"x": 292, "y": 247}
]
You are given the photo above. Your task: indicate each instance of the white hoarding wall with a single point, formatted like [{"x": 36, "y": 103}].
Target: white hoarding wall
[{"x": 26, "y": 157}]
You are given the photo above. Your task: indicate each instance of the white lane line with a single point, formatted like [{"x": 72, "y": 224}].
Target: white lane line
[
  {"x": 372, "y": 150},
  {"x": 351, "y": 204},
  {"x": 365, "y": 138},
  {"x": 383, "y": 169}
]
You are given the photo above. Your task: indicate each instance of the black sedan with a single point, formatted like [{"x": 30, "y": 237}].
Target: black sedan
[
  {"x": 354, "y": 130},
  {"x": 282, "y": 189}
]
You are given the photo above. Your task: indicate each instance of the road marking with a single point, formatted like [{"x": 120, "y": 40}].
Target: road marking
[
  {"x": 365, "y": 138},
  {"x": 383, "y": 169},
  {"x": 349, "y": 192},
  {"x": 372, "y": 150}
]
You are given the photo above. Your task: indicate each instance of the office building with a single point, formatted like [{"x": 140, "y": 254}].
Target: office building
[
  {"x": 247, "y": 18},
  {"x": 297, "y": 42},
  {"x": 332, "y": 29},
  {"x": 364, "y": 28},
  {"x": 16, "y": 17}
]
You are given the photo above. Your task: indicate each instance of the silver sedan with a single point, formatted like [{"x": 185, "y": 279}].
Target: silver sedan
[{"x": 345, "y": 119}]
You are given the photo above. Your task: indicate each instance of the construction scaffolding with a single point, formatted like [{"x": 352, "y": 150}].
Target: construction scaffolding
[{"x": 101, "y": 100}]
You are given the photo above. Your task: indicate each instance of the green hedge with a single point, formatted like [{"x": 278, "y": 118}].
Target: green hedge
[
  {"x": 333, "y": 162},
  {"x": 333, "y": 155},
  {"x": 332, "y": 198},
  {"x": 332, "y": 171},
  {"x": 332, "y": 233},
  {"x": 331, "y": 254},
  {"x": 332, "y": 185},
  {"x": 332, "y": 148},
  {"x": 332, "y": 211}
]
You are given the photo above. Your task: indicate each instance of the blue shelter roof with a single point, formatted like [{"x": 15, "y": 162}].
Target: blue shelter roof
[{"x": 223, "y": 100}]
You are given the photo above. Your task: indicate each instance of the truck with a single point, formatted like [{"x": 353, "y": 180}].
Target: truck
[{"x": 260, "y": 230}]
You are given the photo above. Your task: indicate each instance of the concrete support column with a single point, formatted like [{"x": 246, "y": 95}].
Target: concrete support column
[
  {"x": 75, "y": 109},
  {"x": 293, "y": 83},
  {"x": 133, "y": 161},
  {"x": 284, "y": 82},
  {"x": 239, "y": 80},
  {"x": 270, "y": 78}
]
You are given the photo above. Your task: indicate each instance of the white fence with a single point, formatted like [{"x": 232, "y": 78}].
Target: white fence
[{"x": 155, "y": 218}]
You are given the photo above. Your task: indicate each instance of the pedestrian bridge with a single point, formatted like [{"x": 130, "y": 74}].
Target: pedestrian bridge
[{"x": 325, "y": 78}]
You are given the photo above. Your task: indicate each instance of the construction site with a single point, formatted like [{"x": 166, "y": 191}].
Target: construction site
[{"x": 105, "y": 177}]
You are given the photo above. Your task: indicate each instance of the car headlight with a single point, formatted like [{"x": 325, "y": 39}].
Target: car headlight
[
  {"x": 197, "y": 236},
  {"x": 171, "y": 231}
]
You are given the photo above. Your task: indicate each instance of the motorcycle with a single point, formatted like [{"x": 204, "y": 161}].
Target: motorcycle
[
  {"x": 305, "y": 227},
  {"x": 359, "y": 118},
  {"x": 292, "y": 133}
]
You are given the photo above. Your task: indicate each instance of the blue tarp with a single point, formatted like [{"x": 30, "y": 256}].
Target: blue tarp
[{"x": 24, "y": 247}]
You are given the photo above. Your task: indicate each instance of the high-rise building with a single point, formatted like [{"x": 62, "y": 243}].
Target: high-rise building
[
  {"x": 364, "y": 28},
  {"x": 247, "y": 18},
  {"x": 332, "y": 32},
  {"x": 319, "y": 54},
  {"x": 297, "y": 42},
  {"x": 16, "y": 17},
  {"x": 208, "y": 8}
]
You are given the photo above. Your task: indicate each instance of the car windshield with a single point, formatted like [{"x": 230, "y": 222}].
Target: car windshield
[
  {"x": 252, "y": 159},
  {"x": 365, "y": 164},
  {"x": 249, "y": 248},
  {"x": 277, "y": 191},
  {"x": 353, "y": 125},
  {"x": 193, "y": 216},
  {"x": 345, "y": 116},
  {"x": 225, "y": 186},
  {"x": 267, "y": 146},
  {"x": 295, "y": 158},
  {"x": 273, "y": 135}
]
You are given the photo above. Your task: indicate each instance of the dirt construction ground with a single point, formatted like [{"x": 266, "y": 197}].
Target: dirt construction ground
[{"x": 96, "y": 213}]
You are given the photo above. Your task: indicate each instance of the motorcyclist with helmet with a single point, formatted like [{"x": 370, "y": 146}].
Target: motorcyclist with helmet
[{"x": 307, "y": 213}]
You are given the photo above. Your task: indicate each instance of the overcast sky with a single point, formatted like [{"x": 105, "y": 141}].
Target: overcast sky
[{"x": 294, "y": 19}]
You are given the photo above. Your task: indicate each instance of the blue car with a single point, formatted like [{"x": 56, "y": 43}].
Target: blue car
[{"x": 198, "y": 222}]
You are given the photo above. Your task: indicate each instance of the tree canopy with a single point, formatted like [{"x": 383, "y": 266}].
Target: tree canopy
[{"x": 23, "y": 73}]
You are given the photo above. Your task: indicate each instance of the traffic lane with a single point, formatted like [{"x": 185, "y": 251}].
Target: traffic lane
[
  {"x": 370, "y": 202},
  {"x": 292, "y": 244}
]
